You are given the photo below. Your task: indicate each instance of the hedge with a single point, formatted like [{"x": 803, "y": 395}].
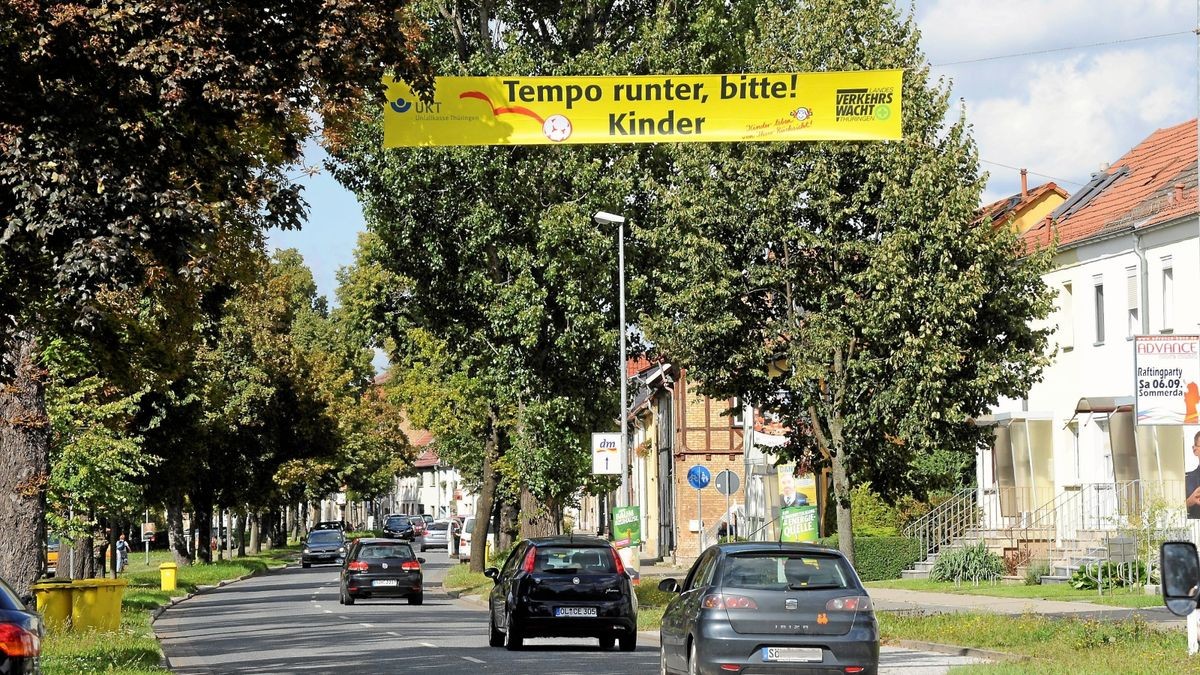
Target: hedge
[{"x": 879, "y": 558}]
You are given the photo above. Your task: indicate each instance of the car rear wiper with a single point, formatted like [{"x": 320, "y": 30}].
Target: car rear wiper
[{"x": 563, "y": 570}]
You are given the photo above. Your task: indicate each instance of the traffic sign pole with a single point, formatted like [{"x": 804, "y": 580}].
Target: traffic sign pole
[{"x": 698, "y": 477}]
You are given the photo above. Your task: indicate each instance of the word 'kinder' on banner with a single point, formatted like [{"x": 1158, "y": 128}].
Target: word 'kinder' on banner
[{"x": 842, "y": 106}]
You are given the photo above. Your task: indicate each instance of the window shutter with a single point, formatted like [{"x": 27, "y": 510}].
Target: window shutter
[{"x": 1131, "y": 288}]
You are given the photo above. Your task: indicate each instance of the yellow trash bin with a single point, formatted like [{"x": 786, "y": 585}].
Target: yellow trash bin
[
  {"x": 167, "y": 572},
  {"x": 96, "y": 604},
  {"x": 54, "y": 602}
]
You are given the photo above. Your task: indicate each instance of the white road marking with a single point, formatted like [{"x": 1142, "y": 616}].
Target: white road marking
[
  {"x": 343, "y": 618},
  {"x": 428, "y": 644},
  {"x": 393, "y": 634},
  {"x": 366, "y": 625},
  {"x": 329, "y": 611},
  {"x": 472, "y": 659}
]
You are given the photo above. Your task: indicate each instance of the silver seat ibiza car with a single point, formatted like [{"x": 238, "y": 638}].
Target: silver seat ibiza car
[{"x": 757, "y": 608}]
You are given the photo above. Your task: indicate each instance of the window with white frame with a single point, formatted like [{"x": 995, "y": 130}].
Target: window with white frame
[
  {"x": 1168, "y": 294},
  {"x": 1131, "y": 302},
  {"x": 1066, "y": 320},
  {"x": 1098, "y": 296}
]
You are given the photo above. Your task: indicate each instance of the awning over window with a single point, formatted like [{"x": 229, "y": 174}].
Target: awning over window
[{"x": 1102, "y": 404}]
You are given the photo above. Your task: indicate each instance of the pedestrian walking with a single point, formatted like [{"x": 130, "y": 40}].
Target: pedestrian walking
[{"x": 122, "y": 553}]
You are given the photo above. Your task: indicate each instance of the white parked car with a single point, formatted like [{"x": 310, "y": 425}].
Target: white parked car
[{"x": 464, "y": 540}]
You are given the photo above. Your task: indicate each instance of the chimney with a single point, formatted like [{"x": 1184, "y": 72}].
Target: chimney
[{"x": 1024, "y": 183}]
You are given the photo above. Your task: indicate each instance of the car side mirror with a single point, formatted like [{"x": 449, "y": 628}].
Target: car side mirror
[
  {"x": 1180, "y": 569},
  {"x": 29, "y": 601},
  {"x": 668, "y": 586},
  {"x": 420, "y": 560},
  {"x": 491, "y": 573}
]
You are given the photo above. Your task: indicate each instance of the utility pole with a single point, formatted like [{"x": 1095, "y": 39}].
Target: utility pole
[{"x": 604, "y": 218}]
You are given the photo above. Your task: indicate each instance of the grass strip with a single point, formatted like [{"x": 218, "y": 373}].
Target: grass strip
[
  {"x": 1051, "y": 645},
  {"x": 133, "y": 650},
  {"x": 1134, "y": 598}
]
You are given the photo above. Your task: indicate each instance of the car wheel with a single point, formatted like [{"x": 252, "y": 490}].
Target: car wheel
[
  {"x": 662, "y": 661},
  {"x": 607, "y": 642},
  {"x": 628, "y": 642},
  {"x": 512, "y": 637},
  {"x": 416, "y": 599},
  {"x": 495, "y": 637},
  {"x": 306, "y": 565},
  {"x": 423, "y": 549},
  {"x": 349, "y": 599},
  {"x": 693, "y": 662}
]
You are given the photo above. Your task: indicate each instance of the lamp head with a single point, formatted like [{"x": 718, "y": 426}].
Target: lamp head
[{"x": 606, "y": 218}]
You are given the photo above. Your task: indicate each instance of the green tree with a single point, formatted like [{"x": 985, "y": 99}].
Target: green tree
[
  {"x": 845, "y": 286},
  {"x": 134, "y": 137}
]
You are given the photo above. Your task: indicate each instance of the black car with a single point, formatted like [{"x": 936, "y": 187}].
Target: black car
[
  {"x": 20, "y": 635},
  {"x": 562, "y": 587},
  {"x": 332, "y": 525},
  {"x": 769, "y": 608},
  {"x": 323, "y": 546},
  {"x": 382, "y": 568},
  {"x": 399, "y": 527}
]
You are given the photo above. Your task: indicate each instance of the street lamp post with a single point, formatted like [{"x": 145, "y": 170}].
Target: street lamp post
[{"x": 605, "y": 218}]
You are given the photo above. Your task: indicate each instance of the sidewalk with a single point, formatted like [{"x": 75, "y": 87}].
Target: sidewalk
[{"x": 898, "y": 600}]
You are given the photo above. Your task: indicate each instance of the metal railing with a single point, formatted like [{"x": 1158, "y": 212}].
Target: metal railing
[{"x": 947, "y": 521}]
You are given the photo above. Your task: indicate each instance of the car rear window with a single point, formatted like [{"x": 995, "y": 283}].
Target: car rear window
[
  {"x": 397, "y": 521},
  {"x": 439, "y": 526},
  {"x": 389, "y": 551},
  {"x": 324, "y": 536},
  {"x": 9, "y": 599},
  {"x": 784, "y": 570},
  {"x": 573, "y": 560}
]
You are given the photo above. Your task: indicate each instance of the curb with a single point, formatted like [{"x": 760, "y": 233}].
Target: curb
[{"x": 954, "y": 650}]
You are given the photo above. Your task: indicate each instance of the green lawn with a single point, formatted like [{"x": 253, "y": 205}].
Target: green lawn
[
  {"x": 1119, "y": 597},
  {"x": 461, "y": 578},
  {"x": 133, "y": 650},
  {"x": 1051, "y": 645}
]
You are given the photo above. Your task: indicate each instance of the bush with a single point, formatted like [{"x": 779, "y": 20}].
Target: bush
[
  {"x": 1115, "y": 576},
  {"x": 972, "y": 563},
  {"x": 498, "y": 556},
  {"x": 1035, "y": 572},
  {"x": 873, "y": 517},
  {"x": 880, "y": 558}
]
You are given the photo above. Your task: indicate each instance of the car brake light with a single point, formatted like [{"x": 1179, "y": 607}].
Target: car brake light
[
  {"x": 357, "y": 566},
  {"x": 617, "y": 561},
  {"x": 854, "y": 669},
  {"x": 16, "y": 642},
  {"x": 410, "y": 566},
  {"x": 527, "y": 566},
  {"x": 725, "y": 601},
  {"x": 859, "y": 603}
]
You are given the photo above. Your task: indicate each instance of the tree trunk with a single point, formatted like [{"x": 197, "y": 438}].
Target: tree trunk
[
  {"x": 176, "y": 536},
  {"x": 537, "y": 520},
  {"x": 507, "y": 525},
  {"x": 841, "y": 497},
  {"x": 241, "y": 532},
  {"x": 291, "y": 520},
  {"x": 227, "y": 524},
  {"x": 24, "y": 464},
  {"x": 255, "y": 540},
  {"x": 487, "y": 495},
  {"x": 203, "y": 522}
]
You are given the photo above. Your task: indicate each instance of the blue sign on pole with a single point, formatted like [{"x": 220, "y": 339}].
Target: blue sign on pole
[{"x": 699, "y": 477}]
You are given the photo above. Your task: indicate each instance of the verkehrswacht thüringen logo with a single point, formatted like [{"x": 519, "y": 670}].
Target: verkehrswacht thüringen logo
[{"x": 864, "y": 104}]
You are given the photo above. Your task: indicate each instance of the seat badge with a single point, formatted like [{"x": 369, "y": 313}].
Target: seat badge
[
  {"x": 384, "y": 565},
  {"x": 575, "y": 581},
  {"x": 791, "y": 603}
]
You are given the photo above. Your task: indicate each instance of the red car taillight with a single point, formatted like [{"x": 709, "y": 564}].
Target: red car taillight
[
  {"x": 726, "y": 601},
  {"x": 527, "y": 565},
  {"x": 617, "y": 561},
  {"x": 858, "y": 603},
  {"x": 357, "y": 566},
  {"x": 410, "y": 566},
  {"x": 17, "y": 642}
]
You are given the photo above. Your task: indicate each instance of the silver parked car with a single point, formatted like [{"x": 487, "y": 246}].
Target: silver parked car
[
  {"x": 766, "y": 607},
  {"x": 437, "y": 536}
]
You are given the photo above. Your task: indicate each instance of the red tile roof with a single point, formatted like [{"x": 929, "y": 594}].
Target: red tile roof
[
  {"x": 1145, "y": 195},
  {"x": 419, "y": 438},
  {"x": 638, "y": 365},
  {"x": 998, "y": 211},
  {"x": 427, "y": 459}
]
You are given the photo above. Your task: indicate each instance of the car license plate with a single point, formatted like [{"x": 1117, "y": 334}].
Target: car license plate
[
  {"x": 574, "y": 611},
  {"x": 792, "y": 654},
  {"x": 385, "y": 582}
]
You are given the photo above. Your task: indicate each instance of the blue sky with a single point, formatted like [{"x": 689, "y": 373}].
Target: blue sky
[{"x": 1062, "y": 114}]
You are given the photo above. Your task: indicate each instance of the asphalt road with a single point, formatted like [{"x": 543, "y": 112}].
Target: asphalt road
[{"x": 290, "y": 621}]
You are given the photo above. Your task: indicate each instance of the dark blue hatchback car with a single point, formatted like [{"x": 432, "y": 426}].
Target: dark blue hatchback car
[
  {"x": 20, "y": 635},
  {"x": 761, "y": 608}
]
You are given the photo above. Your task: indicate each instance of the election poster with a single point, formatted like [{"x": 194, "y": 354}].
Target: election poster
[
  {"x": 840, "y": 106},
  {"x": 627, "y": 526},
  {"x": 1167, "y": 379}
]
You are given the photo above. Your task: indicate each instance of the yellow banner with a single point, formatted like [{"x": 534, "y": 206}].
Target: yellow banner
[{"x": 846, "y": 106}]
